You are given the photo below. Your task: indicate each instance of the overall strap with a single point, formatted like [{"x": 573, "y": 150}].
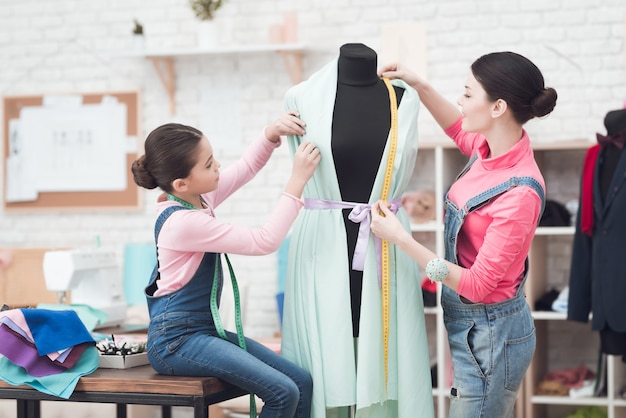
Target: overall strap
[
  {"x": 162, "y": 218},
  {"x": 467, "y": 166},
  {"x": 152, "y": 286},
  {"x": 515, "y": 181},
  {"x": 484, "y": 197}
]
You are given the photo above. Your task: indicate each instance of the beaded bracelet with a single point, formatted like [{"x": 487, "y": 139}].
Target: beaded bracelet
[{"x": 437, "y": 269}]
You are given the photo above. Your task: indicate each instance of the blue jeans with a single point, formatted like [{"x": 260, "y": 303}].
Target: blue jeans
[
  {"x": 185, "y": 348},
  {"x": 491, "y": 346}
]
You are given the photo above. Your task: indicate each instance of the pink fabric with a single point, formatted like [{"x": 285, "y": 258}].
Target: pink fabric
[
  {"x": 495, "y": 239},
  {"x": 188, "y": 234},
  {"x": 571, "y": 378},
  {"x": 18, "y": 319}
]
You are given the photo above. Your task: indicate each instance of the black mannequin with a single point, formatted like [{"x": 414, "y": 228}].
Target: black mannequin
[
  {"x": 612, "y": 342},
  {"x": 361, "y": 123}
]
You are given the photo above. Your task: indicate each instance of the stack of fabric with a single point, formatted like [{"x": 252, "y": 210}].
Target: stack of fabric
[
  {"x": 48, "y": 350},
  {"x": 576, "y": 382}
]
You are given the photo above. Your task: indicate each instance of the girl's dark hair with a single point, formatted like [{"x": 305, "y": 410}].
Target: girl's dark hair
[
  {"x": 169, "y": 155},
  {"x": 516, "y": 80}
]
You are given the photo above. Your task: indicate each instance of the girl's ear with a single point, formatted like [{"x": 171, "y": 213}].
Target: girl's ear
[
  {"x": 498, "y": 108},
  {"x": 180, "y": 185}
]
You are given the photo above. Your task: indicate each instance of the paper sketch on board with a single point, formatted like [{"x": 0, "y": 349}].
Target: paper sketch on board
[{"x": 75, "y": 148}]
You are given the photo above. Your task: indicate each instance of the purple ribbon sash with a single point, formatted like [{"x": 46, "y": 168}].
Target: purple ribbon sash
[{"x": 360, "y": 214}]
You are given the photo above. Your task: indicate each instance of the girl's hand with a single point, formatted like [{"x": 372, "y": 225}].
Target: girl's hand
[
  {"x": 288, "y": 123},
  {"x": 305, "y": 161},
  {"x": 385, "y": 224}
]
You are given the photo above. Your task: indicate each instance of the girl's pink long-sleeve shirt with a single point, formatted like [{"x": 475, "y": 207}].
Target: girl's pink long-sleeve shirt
[
  {"x": 188, "y": 234},
  {"x": 495, "y": 239}
]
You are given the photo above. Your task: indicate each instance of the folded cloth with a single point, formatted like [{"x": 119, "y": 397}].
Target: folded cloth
[
  {"x": 551, "y": 388},
  {"x": 585, "y": 391},
  {"x": 55, "y": 330},
  {"x": 62, "y": 384},
  {"x": 73, "y": 355},
  {"x": 560, "y": 303},
  {"x": 22, "y": 330},
  {"x": 571, "y": 378},
  {"x": 24, "y": 353},
  {"x": 15, "y": 319},
  {"x": 545, "y": 302},
  {"x": 90, "y": 316}
]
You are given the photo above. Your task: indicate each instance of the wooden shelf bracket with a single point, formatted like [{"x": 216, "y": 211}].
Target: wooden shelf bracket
[
  {"x": 293, "y": 64},
  {"x": 164, "y": 67},
  {"x": 163, "y": 62}
]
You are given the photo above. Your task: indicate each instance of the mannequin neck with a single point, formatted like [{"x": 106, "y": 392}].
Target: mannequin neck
[{"x": 357, "y": 65}]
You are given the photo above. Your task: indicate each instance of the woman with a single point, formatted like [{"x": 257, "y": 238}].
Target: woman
[
  {"x": 185, "y": 336},
  {"x": 491, "y": 214}
]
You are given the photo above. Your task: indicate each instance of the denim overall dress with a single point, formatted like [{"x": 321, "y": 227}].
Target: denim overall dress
[
  {"x": 176, "y": 315},
  {"x": 183, "y": 341},
  {"x": 491, "y": 344}
]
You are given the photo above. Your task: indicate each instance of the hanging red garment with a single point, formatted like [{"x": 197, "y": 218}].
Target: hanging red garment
[{"x": 586, "y": 215}]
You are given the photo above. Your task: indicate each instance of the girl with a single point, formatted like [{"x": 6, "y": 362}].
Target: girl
[
  {"x": 491, "y": 213},
  {"x": 183, "y": 335}
]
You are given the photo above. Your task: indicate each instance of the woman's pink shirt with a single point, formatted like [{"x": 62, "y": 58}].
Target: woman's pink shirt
[{"x": 495, "y": 239}]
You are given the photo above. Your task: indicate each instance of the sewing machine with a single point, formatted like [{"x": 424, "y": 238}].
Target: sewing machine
[{"x": 91, "y": 276}]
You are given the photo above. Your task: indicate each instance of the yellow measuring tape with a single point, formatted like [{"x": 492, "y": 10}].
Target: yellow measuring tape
[{"x": 385, "y": 268}]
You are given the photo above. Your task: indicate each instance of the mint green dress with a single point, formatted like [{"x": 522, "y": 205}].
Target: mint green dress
[{"x": 317, "y": 321}]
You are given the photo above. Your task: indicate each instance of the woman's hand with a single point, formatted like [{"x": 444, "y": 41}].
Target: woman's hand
[
  {"x": 444, "y": 111},
  {"x": 288, "y": 123},
  {"x": 397, "y": 71},
  {"x": 305, "y": 161},
  {"x": 385, "y": 223}
]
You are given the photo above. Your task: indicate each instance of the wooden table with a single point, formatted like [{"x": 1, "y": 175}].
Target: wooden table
[{"x": 134, "y": 386}]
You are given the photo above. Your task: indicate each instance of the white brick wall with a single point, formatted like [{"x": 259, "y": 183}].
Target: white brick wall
[{"x": 61, "y": 46}]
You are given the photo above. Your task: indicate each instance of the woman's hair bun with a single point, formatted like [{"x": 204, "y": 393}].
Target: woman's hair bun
[{"x": 545, "y": 102}]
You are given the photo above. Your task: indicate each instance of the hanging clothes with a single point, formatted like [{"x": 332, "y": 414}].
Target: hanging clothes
[{"x": 598, "y": 272}]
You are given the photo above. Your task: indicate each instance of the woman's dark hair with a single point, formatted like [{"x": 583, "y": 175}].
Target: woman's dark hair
[
  {"x": 169, "y": 155},
  {"x": 516, "y": 80}
]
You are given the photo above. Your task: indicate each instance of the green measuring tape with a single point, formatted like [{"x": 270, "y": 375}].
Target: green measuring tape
[{"x": 217, "y": 319}]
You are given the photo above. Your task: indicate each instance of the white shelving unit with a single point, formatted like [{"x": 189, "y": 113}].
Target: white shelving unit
[
  {"x": 437, "y": 165},
  {"x": 164, "y": 60}
]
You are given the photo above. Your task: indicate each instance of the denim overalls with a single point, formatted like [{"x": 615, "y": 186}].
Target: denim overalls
[
  {"x": 183, "y": 341},
  {"x": 491, "y": 344}
]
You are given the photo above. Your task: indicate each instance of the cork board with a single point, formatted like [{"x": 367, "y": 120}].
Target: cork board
[
  {"x": 127, "y": 198},
  {"x": 21, "y": 281}
]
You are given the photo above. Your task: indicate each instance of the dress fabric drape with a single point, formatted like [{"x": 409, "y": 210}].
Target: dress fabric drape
[{"x": 317, "y": 322}]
